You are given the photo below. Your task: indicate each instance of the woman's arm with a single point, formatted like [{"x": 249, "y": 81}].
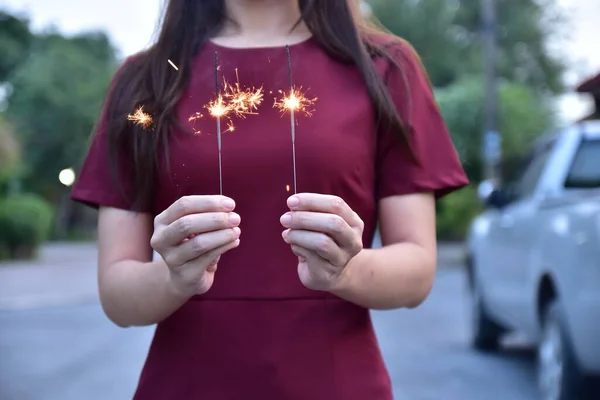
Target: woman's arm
[
  {"x": 401, "y": 273},
  {"x": 134, "y": 290}
]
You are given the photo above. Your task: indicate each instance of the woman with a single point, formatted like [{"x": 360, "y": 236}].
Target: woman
[{"x": 285, "y": 316}]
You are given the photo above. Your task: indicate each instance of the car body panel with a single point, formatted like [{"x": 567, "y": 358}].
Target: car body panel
[{"x": 552, "y": 233}]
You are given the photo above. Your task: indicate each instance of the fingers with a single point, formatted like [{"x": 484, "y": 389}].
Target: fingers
[
  {"x": 207, "y": 245},
  {"x": 318, "y": 243},
  {"x": 325, "y": 204},
  {"x": 193, "y": 205},
  {"x": 330, "y": 224},
  {"x": 192, "y": 224}
]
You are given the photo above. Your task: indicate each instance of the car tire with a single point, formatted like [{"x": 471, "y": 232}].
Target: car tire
[
  {"x": 559, "y": 376},
  {"x": 486, "y": 333}
]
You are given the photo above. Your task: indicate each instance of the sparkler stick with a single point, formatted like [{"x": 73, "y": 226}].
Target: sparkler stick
[
  {"x": 293, "y": 102},
  {"x": 292, "y": 115},
  {"x": 218, "y": 116}
]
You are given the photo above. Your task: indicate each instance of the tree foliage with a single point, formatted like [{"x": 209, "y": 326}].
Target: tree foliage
[
  {"x": 57, "y": 94},
  {"x": 10, "y": 153},
  {"x": 15, "y": 43},
  {"x": 522, "y": 118},
  {"x": 447, "y": 34}
]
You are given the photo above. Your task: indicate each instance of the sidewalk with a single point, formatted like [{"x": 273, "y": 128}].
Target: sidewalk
[{"x": 65, "y": 273}]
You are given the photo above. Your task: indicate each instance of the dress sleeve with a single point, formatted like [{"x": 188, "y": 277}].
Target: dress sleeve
[
  {"x": 98, "y": 183},
  {"x": 438, "y": 168}
]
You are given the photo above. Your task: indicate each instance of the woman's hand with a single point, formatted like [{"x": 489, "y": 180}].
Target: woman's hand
[
  {"x": 191, "y": 235},
  {"x": 325, "y": 234}
]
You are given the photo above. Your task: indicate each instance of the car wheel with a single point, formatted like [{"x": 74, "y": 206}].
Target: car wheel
[
  {"x": 558, "y": 373},
  {"x": 486, "y": 333}
]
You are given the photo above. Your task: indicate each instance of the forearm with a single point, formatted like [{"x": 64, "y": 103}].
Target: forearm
[
  {"x": 134, "y": 293},
  {"x": 395, "y": 276}
]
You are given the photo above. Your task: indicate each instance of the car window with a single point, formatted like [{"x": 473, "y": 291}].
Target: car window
[
  {"x": 526, "y": 186},
  {"x": 585, "y": 169}
]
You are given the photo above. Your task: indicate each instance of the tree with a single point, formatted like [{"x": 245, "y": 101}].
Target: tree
[
  {"x": 428, "y": 26},
  {"x": 55, "y": 103},
  {"x": 447, "y": 34},
  {"x": 10, "y": 153},
  {"x": 15, "y": 43},
  {"x": 522, "y": 119}
]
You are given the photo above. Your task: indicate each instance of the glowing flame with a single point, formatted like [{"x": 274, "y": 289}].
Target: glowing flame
[
  {"x": 139, "y": 117},
  {"x": 295, "y": 101},
  {"x": 234, "y": 102},
  {"x": 287, "y": 188},
  {"x": 218, "y": 108}
]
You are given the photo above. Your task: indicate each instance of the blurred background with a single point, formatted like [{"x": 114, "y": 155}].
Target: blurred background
[{"x": 515, "y": 313}]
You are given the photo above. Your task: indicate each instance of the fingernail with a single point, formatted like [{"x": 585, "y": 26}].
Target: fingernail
[
  {"x": 285, "y": 233},
  {"x": 229, "y": 204},
  {"x": 293, "y": 201},
  {"x": 234, "y": 219},
  {"x": 285, "y": 219}
]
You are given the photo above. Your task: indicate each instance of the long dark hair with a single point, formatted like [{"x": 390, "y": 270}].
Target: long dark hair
[{"x": 337, "y": 25}]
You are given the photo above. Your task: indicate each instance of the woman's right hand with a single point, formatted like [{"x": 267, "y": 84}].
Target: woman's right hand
[{"x": 191, "y": 235}]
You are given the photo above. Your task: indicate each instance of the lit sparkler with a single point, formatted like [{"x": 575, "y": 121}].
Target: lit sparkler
[
  {"x": 141, "y": 118},
  {"x": 218, "y": 109},
  {"x": 232, "y": 101},
  {"x": 294, "y": 102}
]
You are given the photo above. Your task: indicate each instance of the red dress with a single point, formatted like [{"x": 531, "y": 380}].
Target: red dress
[{"x": 259, "y": 333}]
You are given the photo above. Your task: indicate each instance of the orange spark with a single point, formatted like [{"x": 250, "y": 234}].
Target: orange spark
[
  {"x": 235, "y": 101},
  {"x": 139, "y": 117},
  {"x": 219, "y": 108},
  {"x": 295, "y": 101},
  {"x": 243, "y": 101},
  {"x": 195, "y": 116}
]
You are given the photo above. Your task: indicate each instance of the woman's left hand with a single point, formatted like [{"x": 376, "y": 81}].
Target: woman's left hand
[{"x": 325, "y": 234}]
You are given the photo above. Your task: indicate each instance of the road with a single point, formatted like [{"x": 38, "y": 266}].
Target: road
[{"x": 71, "y": 352}]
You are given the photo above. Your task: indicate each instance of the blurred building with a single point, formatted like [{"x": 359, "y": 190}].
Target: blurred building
[{"x": 592, "y": 87}]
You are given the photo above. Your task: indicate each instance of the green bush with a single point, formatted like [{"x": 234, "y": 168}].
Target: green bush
[
  {"x": 455, "y": 213},
  {"x": 25, "y": 223}
]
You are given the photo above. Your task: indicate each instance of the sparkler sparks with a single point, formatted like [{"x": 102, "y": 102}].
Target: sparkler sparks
[
  {"x": 195, "y": 116},
  {"x": 234, "y": 101},
  {"x": 293, "y": 102},
  {"x": 141, "y": 118},
  {"x": 173, "y": 65},
  {"x": 243, "y": 101}
]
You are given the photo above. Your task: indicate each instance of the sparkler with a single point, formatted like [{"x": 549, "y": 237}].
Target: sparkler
[
  {"x": 218, "y": 109},
  {"x": 232, "y": 101},
  {"x": 141, "y": 118},
  {"x": 293, "y": 102}
]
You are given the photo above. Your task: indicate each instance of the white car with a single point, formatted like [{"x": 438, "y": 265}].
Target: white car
[{"x": 534, "y": 262}]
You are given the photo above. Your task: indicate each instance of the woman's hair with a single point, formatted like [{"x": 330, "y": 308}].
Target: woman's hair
[{"x": 147, "y": 80}]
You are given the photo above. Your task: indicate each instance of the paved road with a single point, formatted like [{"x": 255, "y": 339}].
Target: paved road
[{"x": 71, "y": 352}]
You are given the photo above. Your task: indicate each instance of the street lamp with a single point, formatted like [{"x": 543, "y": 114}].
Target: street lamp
[{"x": 67, "y": 176}]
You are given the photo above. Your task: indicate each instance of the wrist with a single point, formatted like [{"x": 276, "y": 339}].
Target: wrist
[
  {"x": 348, "y": 279},
  {"x": 175, "y": 289}
]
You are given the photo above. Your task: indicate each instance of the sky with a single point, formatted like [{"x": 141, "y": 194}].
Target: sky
[{"x": 131, "y": 25}]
